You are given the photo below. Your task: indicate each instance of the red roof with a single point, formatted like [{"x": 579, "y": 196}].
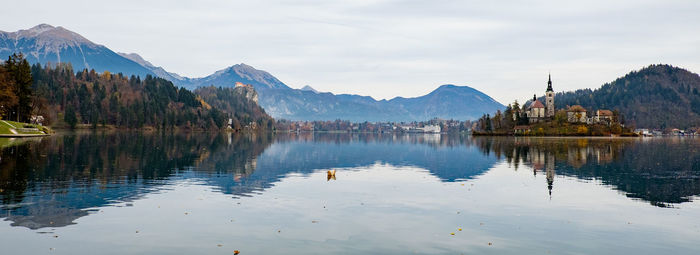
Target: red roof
[
  {"x": 605, "y": 113},
  {"x": 536, "y": 104},
  {"x": 576, "y": 108}
]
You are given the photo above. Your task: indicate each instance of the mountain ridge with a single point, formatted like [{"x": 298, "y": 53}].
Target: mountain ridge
[{"x": 48, "y": 44}]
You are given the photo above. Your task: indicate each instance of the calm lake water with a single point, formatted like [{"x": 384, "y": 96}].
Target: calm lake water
[{"x": 136, "y": 193}]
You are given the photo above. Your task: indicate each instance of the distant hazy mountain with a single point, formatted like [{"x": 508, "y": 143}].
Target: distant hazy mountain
[
  {"x": 447, "y": 101},
  {"x": 309, "y": 88},
  {"x": 238, "y": 73},
  {"x": 157, "y": 70},
  {"x": 657, "y": 96},
  {"x": 45, "y": 43}
]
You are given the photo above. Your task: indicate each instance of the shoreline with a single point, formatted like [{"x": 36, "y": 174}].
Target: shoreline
[{"x": 22, "y": 135}]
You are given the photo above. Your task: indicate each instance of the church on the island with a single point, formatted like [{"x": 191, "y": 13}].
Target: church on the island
[{"x": 538, "y": 112}]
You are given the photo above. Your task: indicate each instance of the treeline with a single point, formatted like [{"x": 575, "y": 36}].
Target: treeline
[
  {"x": 86, "y": 97},
  {"x": 67, "y": 98},
  {"x": 658, "y": 96},
  {"x": 240, "y": 103}
]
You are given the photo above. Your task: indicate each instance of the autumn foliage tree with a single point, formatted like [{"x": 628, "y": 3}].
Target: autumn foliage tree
[{"x": 90, "y": 98}]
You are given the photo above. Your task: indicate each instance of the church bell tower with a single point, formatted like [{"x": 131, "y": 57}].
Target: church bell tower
[{"x": 549, "y": 111}]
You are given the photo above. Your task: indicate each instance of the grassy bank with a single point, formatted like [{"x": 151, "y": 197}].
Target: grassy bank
[{"x": 19, "y": 129}]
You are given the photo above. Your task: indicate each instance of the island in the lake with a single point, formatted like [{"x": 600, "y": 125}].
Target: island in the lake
[{"x": 535, "y": 118}]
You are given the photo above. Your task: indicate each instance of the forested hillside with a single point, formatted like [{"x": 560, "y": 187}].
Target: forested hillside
[
  {"x": 658, "y": 96},
  {"x": 238, "y": 102},
  {"x": 87, "y": 97}
]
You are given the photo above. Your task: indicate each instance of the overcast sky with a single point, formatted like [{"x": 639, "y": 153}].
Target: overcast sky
[{"x": 390, "y": 48}]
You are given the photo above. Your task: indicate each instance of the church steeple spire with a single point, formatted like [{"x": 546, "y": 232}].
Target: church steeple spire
[{"x": 549, "y": 84}]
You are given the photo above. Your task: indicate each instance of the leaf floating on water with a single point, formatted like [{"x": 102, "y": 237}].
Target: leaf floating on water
[
  {"x": 460, "y": 229},
  {"x": 236, "y": 252},
  {"x": 453, "y": 233},
  {"x": 314, "y": 221},
  {"x": 219, "y": 245},
  {"x": 187, "y": 213}
]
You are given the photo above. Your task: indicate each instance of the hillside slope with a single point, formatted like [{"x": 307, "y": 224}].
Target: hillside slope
[{"x": 657, "y": 96}]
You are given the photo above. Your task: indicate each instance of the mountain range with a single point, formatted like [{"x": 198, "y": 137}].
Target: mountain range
[{"x": 48, "y": 44}]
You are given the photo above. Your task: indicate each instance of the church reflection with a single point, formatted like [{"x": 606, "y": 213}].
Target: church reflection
[
  {"x": 542, "y": 158},
  {"x": 661, "y": 171}
]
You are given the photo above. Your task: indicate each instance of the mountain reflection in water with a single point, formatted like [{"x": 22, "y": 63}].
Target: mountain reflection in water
[{"x": 53, "y": 181}]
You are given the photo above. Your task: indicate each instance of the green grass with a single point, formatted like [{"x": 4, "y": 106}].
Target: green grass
[{"x": 6, "y": 128}]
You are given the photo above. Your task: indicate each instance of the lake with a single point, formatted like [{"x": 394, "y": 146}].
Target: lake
[{"x": 201, "y": 193}]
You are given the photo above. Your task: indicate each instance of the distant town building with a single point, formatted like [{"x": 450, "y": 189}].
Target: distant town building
[
  {"x": 241, "y": 85},
  {"x": 36, "y": 119},
  {"x": 431, "y": 129}
]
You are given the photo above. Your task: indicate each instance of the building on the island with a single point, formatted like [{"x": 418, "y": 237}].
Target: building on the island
[
  {"x": 576, "y": 114},
  {"x": 549, "y": 98},
  {"x": 603, "y": 117},
  {"x": 535, "y": 111}
]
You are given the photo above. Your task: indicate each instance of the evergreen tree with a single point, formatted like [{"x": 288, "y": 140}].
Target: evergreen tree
[
  {"x": 8, "y": 98},
  {"x": 70, "y": 117},
  {"x": 20, "y": 72}
]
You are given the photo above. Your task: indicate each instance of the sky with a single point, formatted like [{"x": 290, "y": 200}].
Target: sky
[{"x": 385, "y": 49}]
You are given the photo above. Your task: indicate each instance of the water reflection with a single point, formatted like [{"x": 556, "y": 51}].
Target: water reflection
[
  {"x": 660, "y": 171},
  {"x": 53, "y": 181}
]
